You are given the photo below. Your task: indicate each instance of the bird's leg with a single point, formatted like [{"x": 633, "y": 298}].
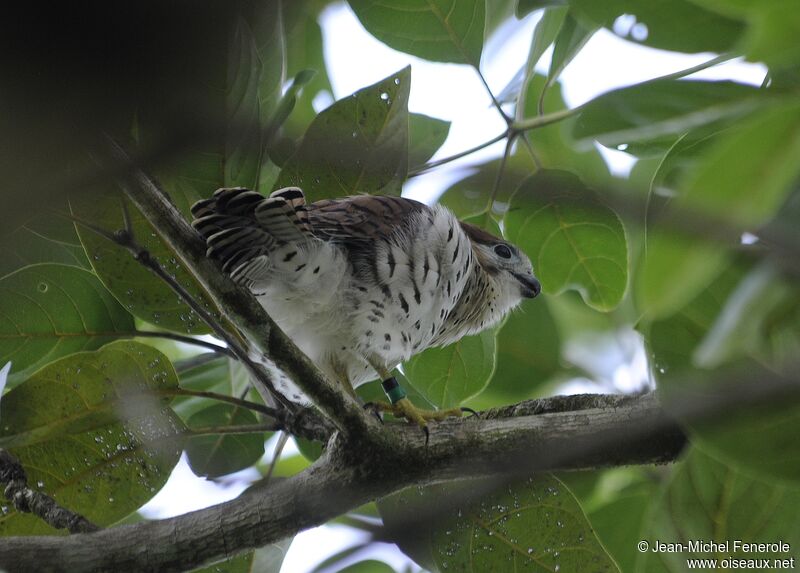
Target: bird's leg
[{"x": 401, "y": 407}]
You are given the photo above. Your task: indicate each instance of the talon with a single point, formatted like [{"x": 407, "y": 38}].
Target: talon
[
  {"x": 427, "y": 434},
  {"x": 470, "y": 411},
  {"x": 375, "y": 409}
]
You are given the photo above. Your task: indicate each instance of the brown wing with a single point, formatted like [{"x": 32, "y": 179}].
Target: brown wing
[{"x": 360, "y": 219}]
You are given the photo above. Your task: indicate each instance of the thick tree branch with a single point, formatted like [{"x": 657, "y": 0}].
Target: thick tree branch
[
  {"x": 26, "y": 500},
  {"x": 605, "y": 431}
]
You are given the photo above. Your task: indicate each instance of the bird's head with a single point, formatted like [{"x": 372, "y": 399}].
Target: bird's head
[{"x": 505, "y": 263}]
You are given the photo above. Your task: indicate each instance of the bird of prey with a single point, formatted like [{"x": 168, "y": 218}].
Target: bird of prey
[{"x": 363, "y": 283}]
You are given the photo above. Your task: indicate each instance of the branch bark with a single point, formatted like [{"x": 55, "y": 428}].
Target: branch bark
[
  {"x": 27, "y": 500},
  {"x": 602, "y": 431}
]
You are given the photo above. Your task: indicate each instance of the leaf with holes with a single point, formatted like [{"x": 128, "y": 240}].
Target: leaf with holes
[
  {"x": 437, "y": 30},
  {"x": 222, "y": 454},
  {"x": 94, "y": 431},
  {"x": 358, "y": 145},
  {"x": 449, "y": 376},
  {"x": 537, "y": 525},
  {"x": 49, "y": 310},
  {"x": 574, "y": 241},
  {"x": 706, "y": 500},
  {"x": 146, "y": 296}
]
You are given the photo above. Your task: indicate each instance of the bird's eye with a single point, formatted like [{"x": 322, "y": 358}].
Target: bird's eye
[{"x": 502, "y": 251}]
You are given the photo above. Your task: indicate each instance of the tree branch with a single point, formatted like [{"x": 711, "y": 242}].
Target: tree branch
[
  {"x": 26, "y": 500},
  {"x": 603, "y": 431}
]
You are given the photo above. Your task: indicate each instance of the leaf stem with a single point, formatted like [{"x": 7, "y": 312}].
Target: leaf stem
[
  {"x": 722, "y": 58},
  {"x": 243, "y": 429},
  {"x": 543, "y": 120},
  {"x": 186, "y": 340},
  {"x": 428, "y": 166},
  {"x": 271, "y": 412}
]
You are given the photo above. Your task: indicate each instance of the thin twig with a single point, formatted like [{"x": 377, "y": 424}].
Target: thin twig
[
  {"x": 243, "y": 429},
  {"x": 256, "y": 407},
  {"x": 499, "y": 175},
  {"x": 26, "y": 500},
  {"x": 186, "y": 340},
  {"x": 543, "y": 120},
  {"x": 419, "y": 170},
  {"x": 276, "y": 455},
  {"x": 195, "y": 361},
  {"x": 722, "y": 58},
  {"x": 496, "y": 103}
]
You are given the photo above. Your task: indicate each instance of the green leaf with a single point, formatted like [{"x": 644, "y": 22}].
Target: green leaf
[
  {"x": 358, "y": 145},
  {"x": 571, "y": 38},
  {"x": 449, "y": 376},
  {"x": 537, "y": 524},
  {"x": 437, "y": 30},
  {"x": 574, "y": 242},
  {"x": 44, "y": 239},
  {"x": 772, "y": 28},
  {"x": 619, "y": 523},
  {"x": 92, "y": 430},
  {"x": 242, "y": 100},
  {"x": 721, "y": 187},
  {"x": 426, "y": 136},
  {"x": 48, "y": 311},
  {"x": 528, "y": 353},
  {"x": 267, "y": 559},
  {"x": 146, "y": 296},
  {"x": 675, "y": 25},
  {"x": 368, "y": 566},
  {"x": 525, "y": 7},
  {"x": 757, "y": 439},
  {"x": 218, "y": 455},
  {"x": 653, "y": 110},
  {"x": 705, "y": 500}
]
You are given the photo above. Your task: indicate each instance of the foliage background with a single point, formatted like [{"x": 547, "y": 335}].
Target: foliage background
[{"x": 225, "y": 96}]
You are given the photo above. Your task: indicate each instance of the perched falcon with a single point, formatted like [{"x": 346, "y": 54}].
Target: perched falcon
[{"x": 363, "y": 283}]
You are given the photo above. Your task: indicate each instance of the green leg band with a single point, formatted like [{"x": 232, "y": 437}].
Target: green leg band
[{"x": 393, "y": 390}]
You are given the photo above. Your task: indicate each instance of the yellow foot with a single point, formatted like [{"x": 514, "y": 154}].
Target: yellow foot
[{"x": 403, "y": 408}]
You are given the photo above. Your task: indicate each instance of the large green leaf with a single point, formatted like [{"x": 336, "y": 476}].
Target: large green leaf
[
  {"x": 93, "y": 431},
  {"x": 528, "y": 352},
  {"x": 358, "y": 145},
  {"x": 49, "y": 310},
  {"x": 708, "y": 501},
  {"x": 535, "y": 525},
  {"x": 44, "y": 239},
  {"x": 650, "y": 112},
  {"x": 737, "y": 183},
  {"x": 676, "y": 25},
  {"x": 218, "y": 455},
  {"x": 757, "y": 439},
  {"x": 574, "y": 241},
  {"x": 449, "y": 376},
  {"x": 146, "y": 296},
  {"x": 771, "y": 34},
  {"x": 438, "y": 30}
]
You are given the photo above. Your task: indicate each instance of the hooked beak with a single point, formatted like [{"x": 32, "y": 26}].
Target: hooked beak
[{"x": 530, "y": 286}]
